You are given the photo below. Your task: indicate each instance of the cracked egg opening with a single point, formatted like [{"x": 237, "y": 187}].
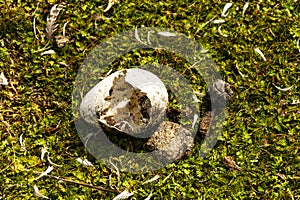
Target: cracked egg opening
[{"x": 130, "y": 100}]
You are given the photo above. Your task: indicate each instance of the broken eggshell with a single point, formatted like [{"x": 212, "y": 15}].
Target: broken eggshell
[{"x": 129, "y": 100}]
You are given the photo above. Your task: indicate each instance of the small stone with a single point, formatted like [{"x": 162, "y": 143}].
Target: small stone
[{"x": 171, "y": 141}]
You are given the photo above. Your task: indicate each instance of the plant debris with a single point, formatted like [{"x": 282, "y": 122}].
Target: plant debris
[{"x": 230, "y": 163}]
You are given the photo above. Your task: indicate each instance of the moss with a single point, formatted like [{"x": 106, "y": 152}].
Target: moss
[{"x": 261, "y": 133}]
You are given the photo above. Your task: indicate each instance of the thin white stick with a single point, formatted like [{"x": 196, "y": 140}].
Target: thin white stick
[
  {"x": 37, "y": 192},
  {"x": 203, "y": 25},
  {"x": 50, "y": 161},
  {"x": 260, "y": 53},
  {"x": 243, "y": 75},
  {"x": 218, "y": 21},
  {"x": 48, "y": 170},
  {"x": 34, "y": 29},
  {"x": 117, "y": 170},
  {"x": 283, "y": 89},
  {"x": 64, "y": 29},
  {"x": 152, "y": 179},
  {"x": 220, "y": 32},
  {"x": 136, "y": 35},
  {"x": 195, "y": 120},
  {"x": 148, "y": 38},
  {"x": 123, "y": 195},
  {"x": 149, "y": 197},
  {"x": 226, "y": 7},
  {"x": 245, "y": 8},
  {"x": 43, "y": 152},
  {"x": 272, "y": 32},
  {"x": 21, "y": 140},
  {"x": 167, "y": 34}
]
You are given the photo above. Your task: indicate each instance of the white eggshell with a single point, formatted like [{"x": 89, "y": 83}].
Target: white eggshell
[{"x": 129, "y": 100}]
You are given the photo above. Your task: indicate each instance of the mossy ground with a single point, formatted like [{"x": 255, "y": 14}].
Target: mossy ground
[{"x": 261, "y": 131}]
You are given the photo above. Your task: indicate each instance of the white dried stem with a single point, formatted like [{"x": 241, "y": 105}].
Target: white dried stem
[
  {"x": 167, "y": 34},
  {"x": 218, "y": 21},
  {"x": 110, "y": 4},
  {"x": 283, "y": 89},
  {"x": 237, "y": 67},
  {"x": 117, "y": 170},
  {"x": 260, "y": 53},
  {"x": 123, "y": 195},
  {"x": 48, "y": 52},
  {"x": 21, "y": 140},
  {"x": 152, "y": 179},
  {"x": 195, "y": 120},
  {"x": 34, "y": 29},
  {"x": 38, "y": 193},
  {"x": 48, "y": 170},
  {"x": 85, "y": 162},
  {"x": 220, "y": 32},
  {"x": 136, "y": 35},
  {"x": 64, "y": 29},
  {"x": 245, "y": 8},
  {"x": 43, "y": 152},
  {"x": 52, "y": 163},
  {"x": 225, "y": 9},
  {"x": 149, "y": 197},
  {"x": 148, "y": 37}
]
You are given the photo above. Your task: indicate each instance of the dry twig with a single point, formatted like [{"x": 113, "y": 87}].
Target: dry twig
[{"x": 74, "y": 182}]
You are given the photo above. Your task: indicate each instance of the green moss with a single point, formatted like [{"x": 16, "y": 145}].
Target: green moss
[{"x": 261, "y": 133}]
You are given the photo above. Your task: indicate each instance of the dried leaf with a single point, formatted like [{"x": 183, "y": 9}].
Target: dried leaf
[
  {"x": 205, "y": 123},
  {"x": 282, "y": 176},
  {"x": 230, "y": 163}
]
